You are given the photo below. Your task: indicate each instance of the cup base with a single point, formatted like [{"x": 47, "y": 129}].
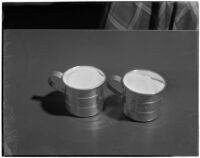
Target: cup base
[
  {"x": 142, "y": 117},
  {"x": 85, "y": 112}
]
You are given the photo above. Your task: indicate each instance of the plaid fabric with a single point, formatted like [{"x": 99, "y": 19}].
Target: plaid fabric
[
  {"x": 153, "y": 15},
  {"x": 186, "y": 16}
]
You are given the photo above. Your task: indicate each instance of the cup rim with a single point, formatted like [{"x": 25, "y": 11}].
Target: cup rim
[
  {"x": 145, "y": 94},
  {"x": 83, "y": 89}
]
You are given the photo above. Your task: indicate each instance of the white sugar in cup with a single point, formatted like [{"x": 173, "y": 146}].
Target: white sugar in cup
[
  {"x": 83, "y": 77},
  {"x": 144, "y": 82},
  {"x": 82, "y": 88},
  {"x": 142, "y": 94}
]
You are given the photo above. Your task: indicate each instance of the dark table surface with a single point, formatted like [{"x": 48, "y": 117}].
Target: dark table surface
[{"x": 37, "y": 123}]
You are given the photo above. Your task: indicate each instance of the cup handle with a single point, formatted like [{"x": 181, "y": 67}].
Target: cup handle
[
  {"x": 53, "y": 83},
  {"x": 118, "y": 79}
]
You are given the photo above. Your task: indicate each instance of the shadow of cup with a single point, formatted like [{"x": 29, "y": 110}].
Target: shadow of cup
[{"x": 53, "y": 103}]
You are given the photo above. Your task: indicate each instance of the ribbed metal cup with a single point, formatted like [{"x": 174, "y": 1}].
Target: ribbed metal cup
[
  {"x": 141, "y": 107},
  {"x": 137, "y": 106},
  {"x": 84, "y": 103},
  {"x": 81, "y": 102}
]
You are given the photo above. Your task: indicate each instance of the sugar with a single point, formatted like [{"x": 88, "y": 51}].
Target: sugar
[
  {"x": 144, "y": 82},
  {"x": 84, "y": 78}
]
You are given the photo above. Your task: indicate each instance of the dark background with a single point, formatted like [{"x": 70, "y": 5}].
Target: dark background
[{"x": 70, "y": 15}]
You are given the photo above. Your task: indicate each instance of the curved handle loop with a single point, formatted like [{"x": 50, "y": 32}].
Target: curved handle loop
[
  {"x": 118, "y": 79},
  {"x": 58, "y": 75}
]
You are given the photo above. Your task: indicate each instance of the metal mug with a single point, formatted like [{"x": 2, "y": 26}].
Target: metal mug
[
  {"x": 81, "y": 102},
  {"x": 138, "y": 106}
]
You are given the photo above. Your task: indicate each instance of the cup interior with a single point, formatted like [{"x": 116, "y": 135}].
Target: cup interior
[
  {"x": 84, "y": 77},
  {"x": 144, "y": 82}
]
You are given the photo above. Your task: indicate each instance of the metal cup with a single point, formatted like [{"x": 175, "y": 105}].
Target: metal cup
[
  {"x": 80, "y": 102},
  {"x": 138, "y": 106}
]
